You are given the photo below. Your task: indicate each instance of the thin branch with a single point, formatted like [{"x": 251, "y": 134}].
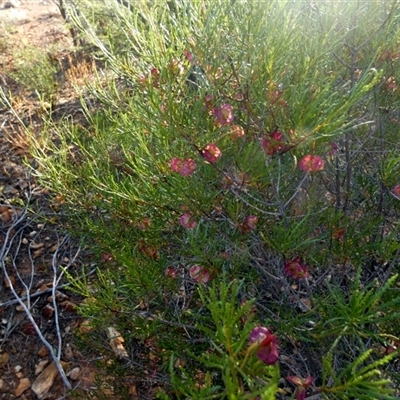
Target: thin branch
[{"x": 7, "y": 245}]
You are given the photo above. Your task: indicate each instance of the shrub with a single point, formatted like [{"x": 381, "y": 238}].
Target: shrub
[
  {"x": 242, "y": 142},
  {"x": 35, "y": 71}
]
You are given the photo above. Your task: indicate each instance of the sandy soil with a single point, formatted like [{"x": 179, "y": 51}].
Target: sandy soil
[{"x": 33, "y": 22}]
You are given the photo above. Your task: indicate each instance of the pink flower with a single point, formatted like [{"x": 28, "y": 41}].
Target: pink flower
[
  {"x": 208, "y": 102},
  {"x": 396, "y": 191},
  {"x": 149, "y": 251},
  {"x": 296, "y": 269},
  {"x": 188, "y": 55},
  {"x": 184, "y": 167},
  {"x": 334, "y": 148},
  {"x": 199, "y": 274},
  {"x": 236, "y": 132},
  {"x": 175, "y": 164},
  {"x": 338, "y": 234},
  {"x": 171, "y": 272},
  {"x": 302, "y": 385},
  {"x": 273, "y": 143},
  {"x": 311, "y": 163},
  {"x": 186, "y": 221},
  {"x": 223, "y": 115},
  {"x": 107, "y": 257},
  {"x": 394, "y": 346},
  {"x": 211, "y": 153},
  {"x": 258, "y": 334},
  {"x": 389, "y": 56},
  {"x": 188, "y": 167},
  {"x": 249, "y": 224},
  {"x": 144, "y": 224},
  {"x": 153, "y": 77},
  {"x": 267, "y": 344},
  {"x": 391, "y": 84}
]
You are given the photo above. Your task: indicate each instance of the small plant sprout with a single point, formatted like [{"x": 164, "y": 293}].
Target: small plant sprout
[
  {"x": 302, "y": 384},
  {"x": 266, "y": 343},
  {"x": 296, "y": 269},
  {"x": 311, "y": 163},
  {"x": 211, "y": 153}
]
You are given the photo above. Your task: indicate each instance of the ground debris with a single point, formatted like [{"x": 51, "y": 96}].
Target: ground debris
[{"x": 45, "y": 380}]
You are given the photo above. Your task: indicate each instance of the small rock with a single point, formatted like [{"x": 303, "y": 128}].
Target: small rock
[
  {"x": 17, "y": 368},
  {"x": 74, "y": 373},
  {"x": 43, "y": 351},
  {"x": 69, "y": 306},
  {"x": 3, "y": 386},
  {"x": 39, "y": 367},
  {"x": 23, "y": 385},
  {"x": 45, "y": 380},
  {"x": 12, "y": 3},
  {"x": 48, "y": 311},
  {"x": 68, "y": 352},
  {"x": 86, "y": 327},
  {"x": 28, "y": 329},
  {"x": 4, "y": 357},
  {"x": 9, "y": 282}
]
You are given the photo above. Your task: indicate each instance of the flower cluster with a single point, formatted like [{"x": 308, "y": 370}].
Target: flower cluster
[
  {"x": 184, "y": 167},
  {"x": 296, "y": 269},
  {"x": 267, "y": 344}
]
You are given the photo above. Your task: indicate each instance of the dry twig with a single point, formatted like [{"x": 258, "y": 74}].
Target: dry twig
[{"x": 12, "y": 241}]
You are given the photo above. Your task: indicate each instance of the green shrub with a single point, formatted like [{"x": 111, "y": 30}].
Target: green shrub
[
  {"x": 247, "y": 142},
  {"x": 35, "y": 71}
]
